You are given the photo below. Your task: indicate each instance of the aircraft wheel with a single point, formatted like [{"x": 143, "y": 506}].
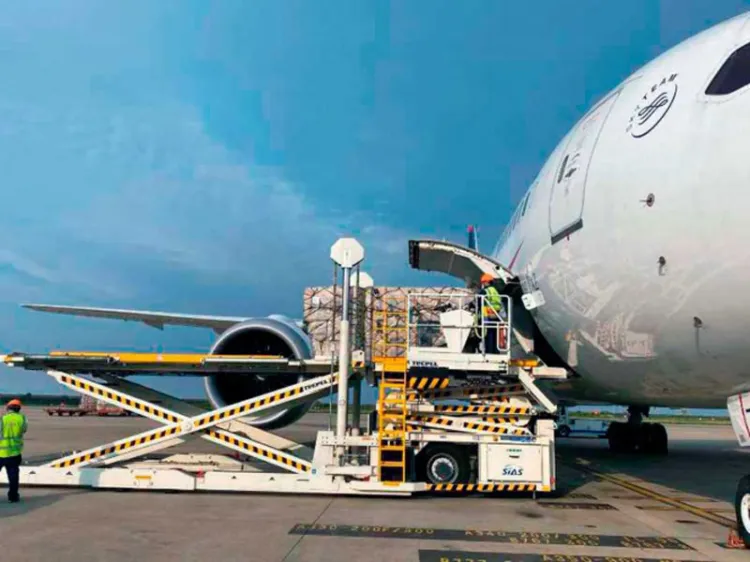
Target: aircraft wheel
[
  {"x": 652, "y": 438},
  {"x": 659, "y": 439},
  {"x": 621, "y": 437},
  {"x": 444, "y": 464},
  {"x": 742, "y": 509}
]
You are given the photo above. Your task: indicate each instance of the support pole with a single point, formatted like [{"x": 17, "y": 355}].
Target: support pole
[
  {"x": 348, "y": 253},
  {"x": 344, "y": 359},
  {"x": 362, "y": 285}
]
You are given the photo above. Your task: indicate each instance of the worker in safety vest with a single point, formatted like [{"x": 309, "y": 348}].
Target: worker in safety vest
[
  {"x": 492, "y": 313},
  {"x": 12, "y": 429}
]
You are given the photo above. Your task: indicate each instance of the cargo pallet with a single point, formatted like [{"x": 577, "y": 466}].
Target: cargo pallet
[{"x": 417, "y": 440}]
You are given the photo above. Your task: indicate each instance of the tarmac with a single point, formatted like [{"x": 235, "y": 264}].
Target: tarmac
[{"x": 608, "y": 507}]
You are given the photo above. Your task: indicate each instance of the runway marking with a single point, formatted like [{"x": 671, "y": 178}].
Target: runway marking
[
  {"x": 469, "y": 556},
  {"x": 580, "y": 464},
  {"x": 576, "y": 505},
  {"x": 496, "y": 536}
]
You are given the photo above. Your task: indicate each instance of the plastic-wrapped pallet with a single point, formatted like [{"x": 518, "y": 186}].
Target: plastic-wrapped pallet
[{"x": 322, "y": 312}]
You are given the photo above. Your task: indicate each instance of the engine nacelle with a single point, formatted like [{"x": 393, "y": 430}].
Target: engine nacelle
[{"x": 274, "y": 335}]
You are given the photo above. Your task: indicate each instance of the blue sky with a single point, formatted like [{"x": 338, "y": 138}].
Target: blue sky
[{"x": 201, "y": 156}]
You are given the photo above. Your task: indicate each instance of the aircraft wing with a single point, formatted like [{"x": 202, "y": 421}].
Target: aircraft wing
[{"x": 154, "y": 319}]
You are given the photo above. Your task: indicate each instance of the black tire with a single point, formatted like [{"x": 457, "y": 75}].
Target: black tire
[
  {"x": 564, "y": 431},
  {"x": 614, "y": 436},
  {"x": 659, "y": 439},
  {"x": 742, "y": 509},
  {"x": 621, "y": 437},
  {"x": 644, "y": 437},
  {"x": 651, "y": 438},
  {"x": 443, "y": 464}
]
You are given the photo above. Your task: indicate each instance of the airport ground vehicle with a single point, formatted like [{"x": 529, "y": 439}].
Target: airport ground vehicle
[
  {"x": 569, "y": 426},
  {"x": 86, "y": 407},
  {"x": 500, "y": 436}
]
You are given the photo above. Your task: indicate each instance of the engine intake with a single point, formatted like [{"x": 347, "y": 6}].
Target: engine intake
[{"x": 274, "y": 335}]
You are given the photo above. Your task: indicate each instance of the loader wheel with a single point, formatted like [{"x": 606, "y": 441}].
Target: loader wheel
[
  {"x": 443, "y": 464},
  {"x": 742, "y": 509},
  {"x": 564, "y": 431}
]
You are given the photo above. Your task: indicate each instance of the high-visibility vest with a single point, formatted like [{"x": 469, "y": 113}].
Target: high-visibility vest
[
  {"x": 12, "y": 428},
  {"x": 493, "y": 303}
]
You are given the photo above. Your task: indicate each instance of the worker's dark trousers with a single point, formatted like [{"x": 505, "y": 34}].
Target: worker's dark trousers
[
  {"x": 490, "y": 340},
  {"x": 11, "y": 465}
]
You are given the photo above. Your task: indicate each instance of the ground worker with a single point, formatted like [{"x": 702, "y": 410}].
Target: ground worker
[
  {"x": 492, "y": 313},
  {"x": 12, "y": 429}
]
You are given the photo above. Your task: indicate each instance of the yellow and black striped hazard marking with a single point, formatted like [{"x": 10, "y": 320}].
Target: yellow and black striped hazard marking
[
  {"x": 494, "y": 392},
  {"x": 481, "y": 487},
  {"x": 511, "y": 420},
  {"x": 458, "y": 409},
  {"x": 429, "y": 383},
  {"x": 119, "y": 398},
  {"x": 436, "y": 420},
  {"x": 243, "y": 409},
  {"x": 99, "y": 452},
  {"x": 497, "y": 429},
  {"x": 471, "y": 426},
  {"x": 264, "y": 452}
]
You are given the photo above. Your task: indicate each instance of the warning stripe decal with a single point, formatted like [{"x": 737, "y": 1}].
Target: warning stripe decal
[
  {"x": 268, "y": 453},
  {"x": 116, "y": 448},
  {"x": 223, "y": 414},
  {"x": 433, "y": 419},
  {"x": 430, "y": 383},
  {"x": 459, "y": 425},
  {"x": 459, "y": 409},
  {"x": 502, "y": 420},
  {"x": 493, "y": 392},
  {"x": 482, "y": 487},
  {"x": 117, "y": 397}
]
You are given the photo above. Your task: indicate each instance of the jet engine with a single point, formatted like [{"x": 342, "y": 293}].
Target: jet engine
[{"x": 274, "y": 335}]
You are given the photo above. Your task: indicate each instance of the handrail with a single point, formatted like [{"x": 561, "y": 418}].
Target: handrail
[{"x": 430, "y": 331}]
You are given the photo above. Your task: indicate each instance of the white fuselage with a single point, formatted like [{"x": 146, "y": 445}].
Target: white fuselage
[{"x": 637, "y": 233}]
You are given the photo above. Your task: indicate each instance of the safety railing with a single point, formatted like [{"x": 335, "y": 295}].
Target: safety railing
[{"x": 462, "y": 323}]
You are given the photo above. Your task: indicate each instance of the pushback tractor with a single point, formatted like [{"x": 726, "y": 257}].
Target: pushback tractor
[{"x": 455, "y": 412}]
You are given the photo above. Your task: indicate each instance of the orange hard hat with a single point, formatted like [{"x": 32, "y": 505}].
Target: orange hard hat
[
  {"x": 486, "y": 278},
  {"x": 15, "y": 402}
]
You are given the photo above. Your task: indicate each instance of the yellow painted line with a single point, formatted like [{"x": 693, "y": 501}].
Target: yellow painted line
[{"x": 638, "y": 489}]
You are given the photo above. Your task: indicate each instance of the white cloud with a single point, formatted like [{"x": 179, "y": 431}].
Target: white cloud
[{"x": 126, "y": 188}]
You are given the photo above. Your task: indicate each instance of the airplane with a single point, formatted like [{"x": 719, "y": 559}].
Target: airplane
[{"x": 627, "y": 249}]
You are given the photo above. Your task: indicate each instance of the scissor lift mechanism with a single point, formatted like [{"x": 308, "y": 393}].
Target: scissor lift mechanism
[{"x": 509, "y": 422}]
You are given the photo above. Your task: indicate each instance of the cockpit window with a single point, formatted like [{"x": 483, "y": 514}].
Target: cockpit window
[{"x": 733, "y": 75}]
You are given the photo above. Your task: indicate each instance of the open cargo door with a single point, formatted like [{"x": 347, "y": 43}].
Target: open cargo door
[{"x": 455, "y": 260}]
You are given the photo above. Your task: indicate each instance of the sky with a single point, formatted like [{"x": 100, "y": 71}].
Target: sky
[{"x": 202, "y": 156}]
